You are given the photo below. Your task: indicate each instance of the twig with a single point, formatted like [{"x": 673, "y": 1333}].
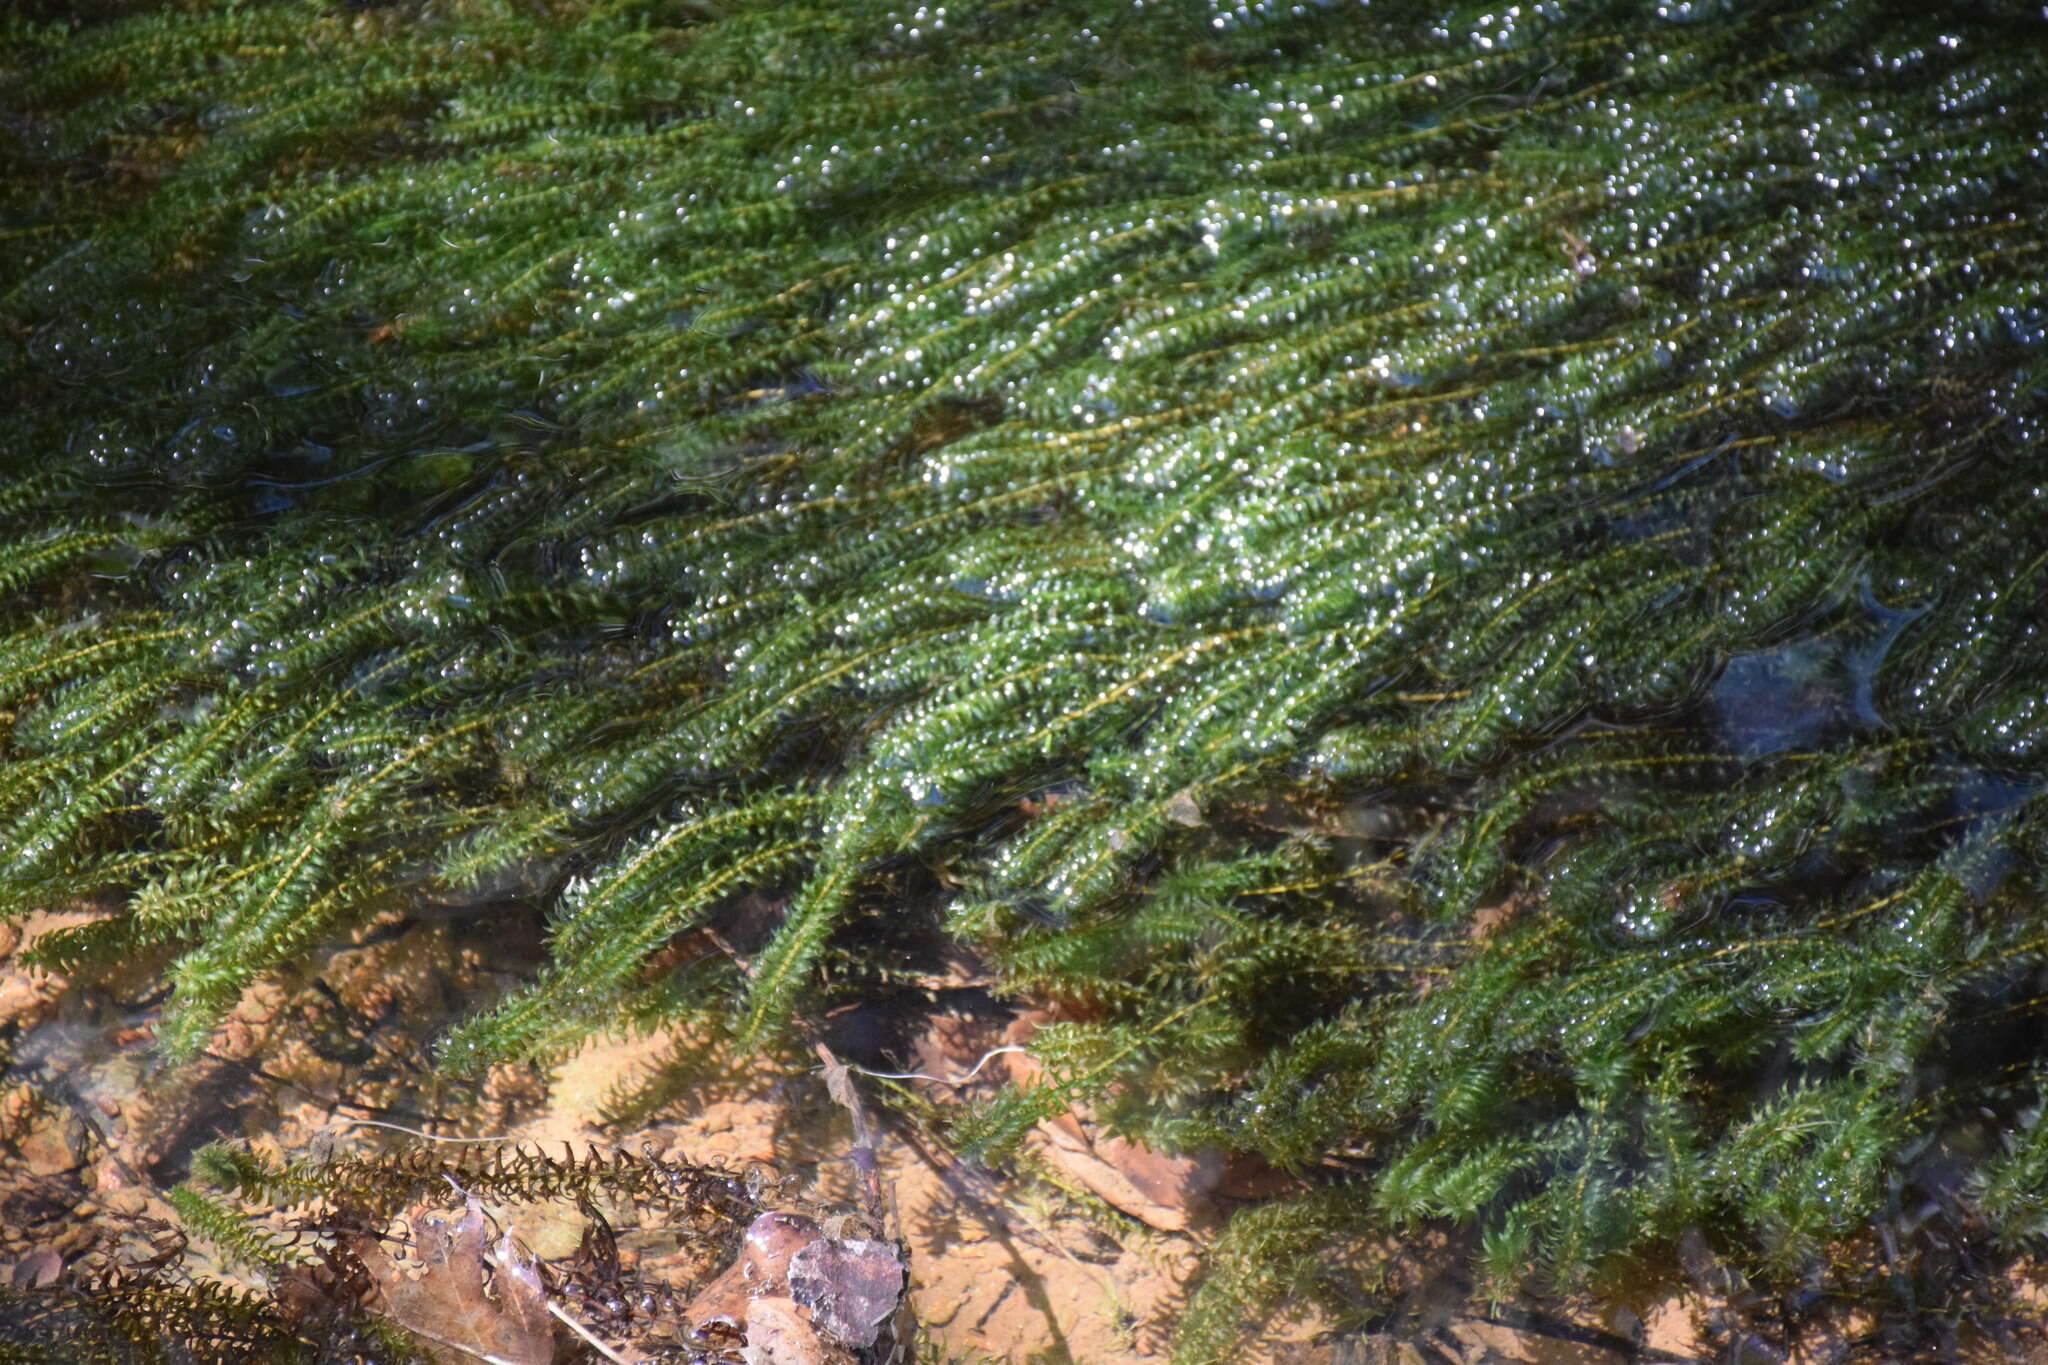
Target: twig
[
  {"x": 580, "y": 1330},
  {"x": 324, "y": 1100},
  {"x": 838, "y": 1084},
  {"x": 401, "y": 1128}
]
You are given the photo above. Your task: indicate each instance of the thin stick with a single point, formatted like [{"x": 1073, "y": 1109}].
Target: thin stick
[
  {"x": 580, "y": 1330},
  {"x": 399, "y": 1127},
  {"x": 839, "y": 1084}
]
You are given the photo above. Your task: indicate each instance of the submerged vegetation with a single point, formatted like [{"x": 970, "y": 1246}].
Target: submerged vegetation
[{"x": 1463, "y": 585}]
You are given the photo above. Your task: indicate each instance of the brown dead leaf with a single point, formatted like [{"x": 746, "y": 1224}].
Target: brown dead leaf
[
  {"x": 795, "y": 1296},
  {"x": 850, "y": 1285},
  {"x": 523, "y": 1295},
  {"x": 778, "y": 1334},
  {"x": 721, "y": 1308},
  {"x": 448, "y": 1307},
  {"x": 1171, "y": 1193},
  {"x": 37, "y": 1270}
]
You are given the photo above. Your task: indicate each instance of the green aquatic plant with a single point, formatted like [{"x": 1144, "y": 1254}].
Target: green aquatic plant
[{"x": 1464, "y": 585}]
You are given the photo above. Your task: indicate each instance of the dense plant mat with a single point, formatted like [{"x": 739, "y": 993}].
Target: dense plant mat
[{"x": 1460, "y": 589}]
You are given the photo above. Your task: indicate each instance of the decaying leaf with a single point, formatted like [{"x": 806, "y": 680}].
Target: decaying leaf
[
  {"x": 448, "y": 1306},
  {"x": 850, "y": 1286},
  {"x": 522, "y": 1294},
  {"x": 761, "y": 1271},
  {"x": 37, "y": 1270},
  {"x": 779, "y": 1334},
  {"x": 799, "y": 1297},
  {"x": 1171, "y": 1193}
]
